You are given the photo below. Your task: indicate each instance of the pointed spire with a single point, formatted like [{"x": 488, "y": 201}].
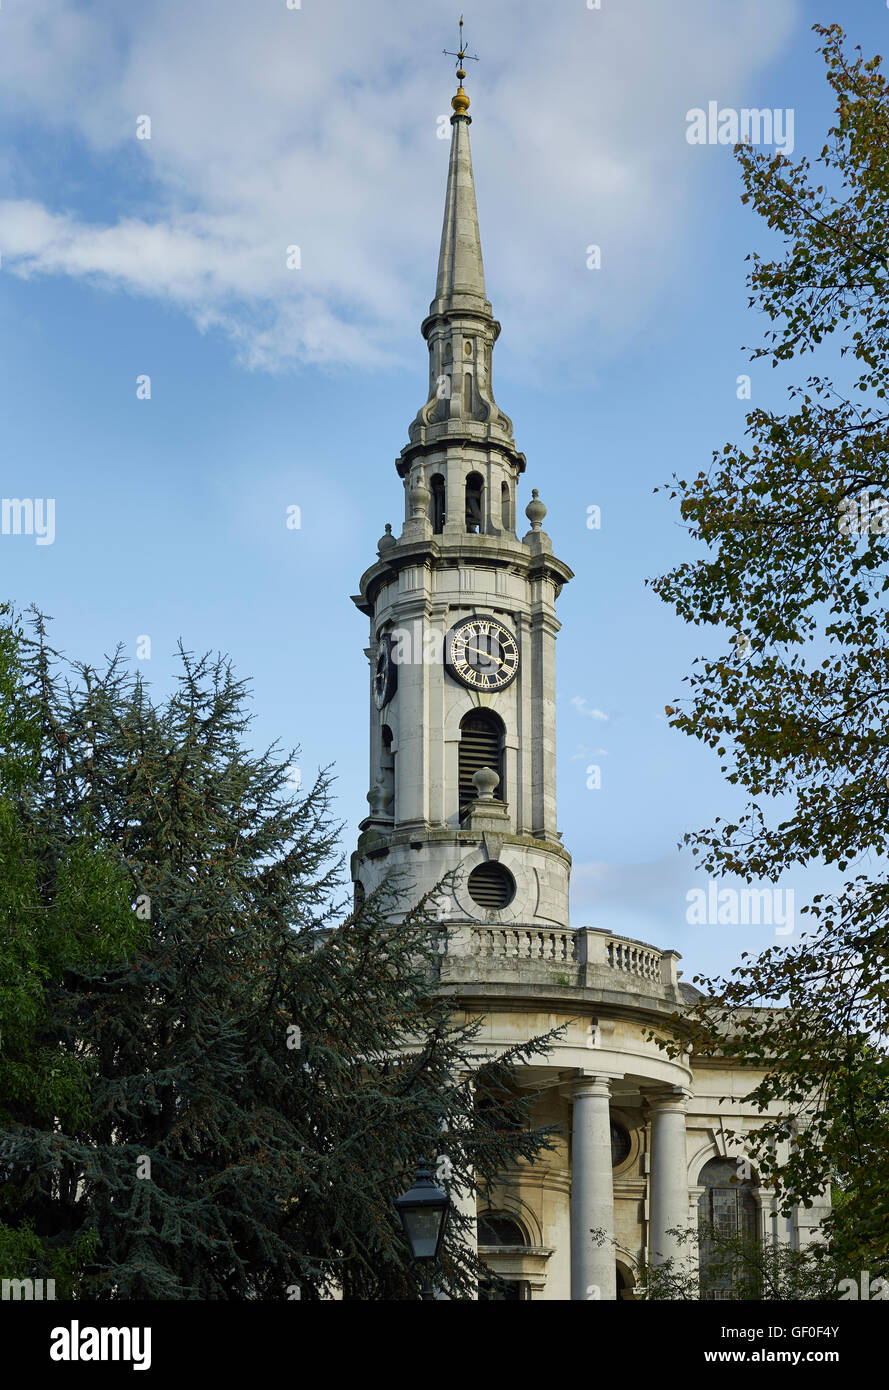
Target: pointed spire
[
  {"x": 460, "y": 329},
  {"x": 461, "y": 275}
]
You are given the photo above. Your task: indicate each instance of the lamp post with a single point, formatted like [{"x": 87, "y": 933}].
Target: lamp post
[{"x": 424, "y": 1211}]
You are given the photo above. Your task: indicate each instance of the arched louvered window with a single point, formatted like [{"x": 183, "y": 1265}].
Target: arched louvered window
[
  {"x": 481, "y": 745},
  {"x": 437, "y": 488},
  {"x": 475, "y": 486},
  {"x": 726, "y": 1208}
]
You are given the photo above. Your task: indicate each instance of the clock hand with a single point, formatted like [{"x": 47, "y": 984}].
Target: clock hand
[{"x": 488, "y": 656}]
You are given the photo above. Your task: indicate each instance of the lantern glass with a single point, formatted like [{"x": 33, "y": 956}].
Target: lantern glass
[
  {"x": 424, "y": 1212},
  {"x": 423, "y": 1229}
]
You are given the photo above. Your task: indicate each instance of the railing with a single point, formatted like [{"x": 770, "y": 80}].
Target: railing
[
  {"x": 524, "y": 943},
  {"x": 585, "y": 950},
  {"x": 635, "y": 960}
]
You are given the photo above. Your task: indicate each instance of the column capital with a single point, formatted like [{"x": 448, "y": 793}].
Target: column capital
[
  {"x": 667, "y": 1098},
  {"x": 590, "y": 1083}
]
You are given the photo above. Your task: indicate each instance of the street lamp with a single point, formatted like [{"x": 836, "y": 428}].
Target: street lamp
[{"x": 424, "y": 1210}]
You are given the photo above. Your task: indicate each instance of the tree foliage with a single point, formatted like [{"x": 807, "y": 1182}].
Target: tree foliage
[
  {"x": 741, "y": 1270},
  {"x": 795, "y": 522},
  {"x": 254, "y": 1078},
  {"x": 64, "y": 910}
]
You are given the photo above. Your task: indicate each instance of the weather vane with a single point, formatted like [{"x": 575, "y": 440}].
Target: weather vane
[{"x": 461, "y": 55}]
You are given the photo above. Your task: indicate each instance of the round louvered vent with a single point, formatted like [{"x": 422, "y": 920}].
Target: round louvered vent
[{"x": 491, "y": 886}]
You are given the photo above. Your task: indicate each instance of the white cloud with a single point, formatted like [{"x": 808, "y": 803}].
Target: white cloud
[
  {"x": 317, "y": 127},
  {"x": 579, "y": 703},
  {"x": 585, "y": 752}
]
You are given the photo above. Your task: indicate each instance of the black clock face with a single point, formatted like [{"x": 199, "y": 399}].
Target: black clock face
[
  {"x": 385, "y": 674},
  {"x": 482, "y": 654}
]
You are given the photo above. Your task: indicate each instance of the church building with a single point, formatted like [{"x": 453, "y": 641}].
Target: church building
[{"x": 462, "y": 653}]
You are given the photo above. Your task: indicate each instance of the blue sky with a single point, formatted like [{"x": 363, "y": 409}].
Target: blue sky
[{"x": 274, "y": 387}]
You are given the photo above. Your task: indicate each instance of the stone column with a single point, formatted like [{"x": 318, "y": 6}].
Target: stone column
[
  {"x": 592, "y": 1192},
  {"x": 669, "y": 1174}
]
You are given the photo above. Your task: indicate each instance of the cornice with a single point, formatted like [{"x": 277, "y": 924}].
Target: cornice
[
  {"x": 459, "y": 436},
  {"x": 444, "y": 553}
]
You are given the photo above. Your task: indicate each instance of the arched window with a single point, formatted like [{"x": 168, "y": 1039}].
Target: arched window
[
  {"x": 475, "y": 487},
  {"x": 497, "y": 1231},
  {"x": 624, "y": 1283},
  {"x": 726, "y": 1208},
  {"x": 467, "y": 393},
  {"x": 481, "y": 745},
  {"x": 495, "y": 1228},
  {"x": 437, "y": 488},
  {"x": 387, "y": 770}
]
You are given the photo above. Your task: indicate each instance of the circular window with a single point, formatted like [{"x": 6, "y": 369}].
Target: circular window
[
  {"x": 620, "y": 1144},
  {"x": 491, "y": 886}
]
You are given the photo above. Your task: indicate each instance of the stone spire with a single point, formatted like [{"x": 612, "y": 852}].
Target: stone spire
[
  {"x": 461, "y": 274},
  {"x": 460, "y": 329}
]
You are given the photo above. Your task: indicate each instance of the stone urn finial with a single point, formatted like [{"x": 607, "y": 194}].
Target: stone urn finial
[
  {"x": 535, "y": 511},
  {"x": 419, "y": 495},
  {"x": 378, "y": 798},
  {"x": 387, "y": 540},
  {"x": 484, "y": 781}
]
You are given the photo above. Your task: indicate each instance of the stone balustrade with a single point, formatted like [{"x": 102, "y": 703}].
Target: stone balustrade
[
  {"x": 636, "y": 960},
  {"x": 524, "y": 943},
  {"x": 585, "y": 957}
]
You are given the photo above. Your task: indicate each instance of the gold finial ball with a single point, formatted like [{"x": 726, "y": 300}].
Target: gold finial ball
[{"x": 460, "y": 102}]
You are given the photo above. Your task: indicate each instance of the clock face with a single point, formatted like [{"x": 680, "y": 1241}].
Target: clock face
[
  {"x": 482, "y": 654},
  {"x": 385, "y": 674}
]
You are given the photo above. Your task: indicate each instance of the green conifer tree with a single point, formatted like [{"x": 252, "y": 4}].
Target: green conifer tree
[
  {"x": 263, "y": 1075},
  {"x": 64, "y": 910}
]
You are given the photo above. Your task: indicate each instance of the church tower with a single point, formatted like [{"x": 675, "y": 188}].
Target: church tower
[{"x": 463, "y": 628}]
